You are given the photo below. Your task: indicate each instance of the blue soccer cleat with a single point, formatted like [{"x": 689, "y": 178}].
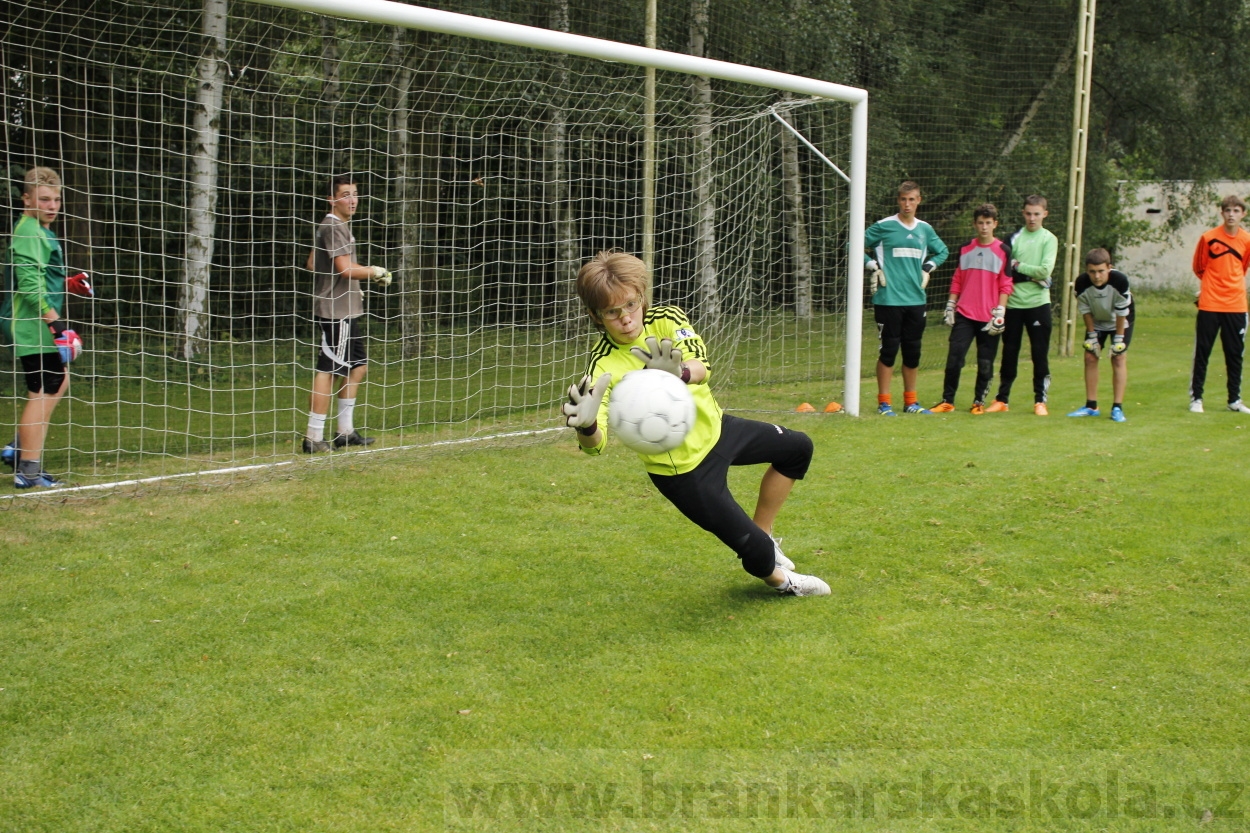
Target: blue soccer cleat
[
  {"x": 884, "y": 409},
  {"x": 42, "y": 480},
  {"x": 1082, "y": 412},
  {"x": 1117, "y": 414},
  {"x": 8, "y": 455},
  {"x": 916, "y": 408}
]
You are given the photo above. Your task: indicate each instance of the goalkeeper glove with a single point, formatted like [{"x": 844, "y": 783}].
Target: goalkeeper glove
[
  {"x": 661, "y": 355},
  {"x": 997, "y": 322},
  {"x": 924, "y": 275},
  {"x": 1091, "y": 344},
  {"x": 381, "y": 276},
  {"x": 68, "y": 344},
  {"x": 948, "y": 317},
  {"x": 876, "y": 277},
  {"x": 79, "y": 285},
  {"x": 582, "y": 409},
  {"x": 1117, "y": 344}
]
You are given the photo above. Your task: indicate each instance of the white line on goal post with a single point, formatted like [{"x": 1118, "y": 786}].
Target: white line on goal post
[{"x": 391, "y": 13}]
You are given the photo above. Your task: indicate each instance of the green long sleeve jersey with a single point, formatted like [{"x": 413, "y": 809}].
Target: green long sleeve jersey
[
  {"x": 902, "y": 253},
  {"x": 1036, "y": 252}
]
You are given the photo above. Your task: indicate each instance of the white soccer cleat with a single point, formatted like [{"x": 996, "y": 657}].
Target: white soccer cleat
[
  {"x": 1195, "y": 406},
  {"x": 801, "y": 585},
  {"x": 779, "y": 557},
  {"x": 1238, "y": 407}
]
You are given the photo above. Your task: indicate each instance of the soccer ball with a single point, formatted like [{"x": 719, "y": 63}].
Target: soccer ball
[{"x": 650, "y": 411}]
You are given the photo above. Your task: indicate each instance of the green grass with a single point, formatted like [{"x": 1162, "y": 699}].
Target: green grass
[{"x": 1036, "y": 624}]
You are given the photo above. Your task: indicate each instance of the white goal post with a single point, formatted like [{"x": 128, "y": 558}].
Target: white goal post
[{"x": 389, "y": 13}]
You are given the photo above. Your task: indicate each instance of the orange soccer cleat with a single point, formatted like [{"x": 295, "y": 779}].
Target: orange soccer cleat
[
  {"x": 977, "y": 409},
  {"x": 1040, "y": 409},
  {"x": 942, "y": 407},
  {"x": 996, "y": 407}
]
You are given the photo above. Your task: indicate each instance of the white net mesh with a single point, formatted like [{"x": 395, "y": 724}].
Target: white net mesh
[{"x": 488, "y": 174}]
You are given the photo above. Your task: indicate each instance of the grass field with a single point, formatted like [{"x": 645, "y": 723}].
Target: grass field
[{"x": 1036, "y": 624}]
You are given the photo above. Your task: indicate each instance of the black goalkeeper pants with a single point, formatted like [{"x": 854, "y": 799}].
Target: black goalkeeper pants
[
  {"x": 703, "y": 496},
  {"x": 1231, "y": 329},
  {"x": 963, "y": 334},
  {"x": 1036, "y": 321}
]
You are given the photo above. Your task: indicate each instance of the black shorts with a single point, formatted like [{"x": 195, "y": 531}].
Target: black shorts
[
  {"x": 45, "y": 372},
  {"x": 900, "y": 327},
  {"x": 342, "y": 346},
  {"x": 1105, "y": 335}
]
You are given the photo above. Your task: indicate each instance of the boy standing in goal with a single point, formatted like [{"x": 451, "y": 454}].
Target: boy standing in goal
[
  {"x": 1220, "y": 264},
  {"x": 338, "y": 305},
  {"x": 613, "y": 286},
  {"x": 1104, "y": 299},
  {"x": 30, "y": 316},
  {"x": 1033, "y": 253},
  {"x": 979, "y": 291},
  {"x": 905, "y": 250}
]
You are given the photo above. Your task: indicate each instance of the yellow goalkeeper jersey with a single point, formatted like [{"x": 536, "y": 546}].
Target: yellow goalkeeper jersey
[{"x": 616, "y": 360}]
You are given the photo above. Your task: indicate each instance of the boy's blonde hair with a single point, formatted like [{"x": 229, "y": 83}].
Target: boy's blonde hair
[
  {"x": 1232, "y": 201},
  {"x": 1036, "y": 199},
  {"x": 604, "y": 276},
  {"x": 37, "y": 176},
  {"x": 907, "y": 186}
]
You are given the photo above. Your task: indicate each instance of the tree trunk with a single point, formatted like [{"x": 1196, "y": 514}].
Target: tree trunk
[
  {"x": 556, "y": 166},
  {"x": 706, "y": 278},
  {"x": 421, "y": 230},
  {"x": 796, "y": 223},
  {"x": 331, "y": 95},
  {"x": 201, "y": 219},
  {"x": 408, "y": 284}
]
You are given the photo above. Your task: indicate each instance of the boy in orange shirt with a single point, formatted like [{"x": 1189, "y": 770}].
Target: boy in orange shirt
[{"x": 1220, "y": 263}]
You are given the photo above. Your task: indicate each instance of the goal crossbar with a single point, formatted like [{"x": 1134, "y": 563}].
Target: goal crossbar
[{"x": 390, "y": 13}]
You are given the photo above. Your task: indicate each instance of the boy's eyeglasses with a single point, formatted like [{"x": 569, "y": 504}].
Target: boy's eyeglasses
[{"x": 617, "y": 312}]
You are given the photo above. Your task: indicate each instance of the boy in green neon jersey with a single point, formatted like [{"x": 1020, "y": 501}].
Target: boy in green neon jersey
[
  {"x": 1033, "y": 253},
  {"x": 613, "y": 287}
]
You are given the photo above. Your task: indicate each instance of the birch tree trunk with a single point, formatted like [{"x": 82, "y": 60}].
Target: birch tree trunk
[
  {"x": 556, "y": 165},
  {"x": 706, "y": 278},
  {"x": 796, "y": 223},
  {"x": 201, "y": 219},
  {"x": 408, "y": 283}
]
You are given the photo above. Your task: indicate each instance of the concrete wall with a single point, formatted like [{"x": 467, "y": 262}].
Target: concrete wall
[{"x": 1164, "y": 262}]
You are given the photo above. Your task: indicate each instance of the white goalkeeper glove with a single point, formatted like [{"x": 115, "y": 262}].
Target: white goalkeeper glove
[
  {"x": 582, "y": 409},
  {"x": 660, "y": 355},
  {"x": 1091, "y": 344},
  {"x": 1117, "y": 344},
  {"x": 380, "y": 276},
  {"x": 924, "y": 275},
  {"x": 876, "y": 277},
  {"x": 948, "y": 317},
  {"x": 997, "y": 322}
]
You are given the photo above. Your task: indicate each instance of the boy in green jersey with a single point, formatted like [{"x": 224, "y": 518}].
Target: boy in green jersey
[
  {"x": 1033, "y": 253},
  {"x": 905, "y": 250},
  {"x": 30, "y": 317},
  {"x": 613, "y": 286}
]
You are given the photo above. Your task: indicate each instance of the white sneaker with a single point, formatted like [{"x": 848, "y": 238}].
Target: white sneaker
[
  {"x": 779, "y": 557},
  {"x": 801, "y": 585},
  {"x": 1195, "y": 406},
  {"x": 1238, "y": 407}
]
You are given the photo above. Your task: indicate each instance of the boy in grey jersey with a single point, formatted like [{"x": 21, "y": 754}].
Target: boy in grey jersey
[
  {"x": 1103, "y": 298},
  {"x": 338, "y": 304}
]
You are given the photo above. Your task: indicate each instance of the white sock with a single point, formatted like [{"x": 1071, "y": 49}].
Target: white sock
[
  {"x": 316, "y": 427},
  {"x": 344, "y": 424},
  {"x": 785, "y": 585}
]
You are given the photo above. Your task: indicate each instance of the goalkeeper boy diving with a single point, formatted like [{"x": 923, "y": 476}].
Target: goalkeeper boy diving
[{"x": 613, "y": 287}]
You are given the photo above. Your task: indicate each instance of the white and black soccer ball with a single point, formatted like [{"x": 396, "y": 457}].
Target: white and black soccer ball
[{"x": 650, "y": 411}]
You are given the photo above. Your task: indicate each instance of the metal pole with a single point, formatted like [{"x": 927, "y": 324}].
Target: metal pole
[
  {"x": 1073, "y": 256},
  {"x": 648, "y": 154},
  {"x": 857, "y": 205}
]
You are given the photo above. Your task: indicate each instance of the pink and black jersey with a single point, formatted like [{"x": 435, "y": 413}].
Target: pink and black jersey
[{"x": 983, "y": 274}]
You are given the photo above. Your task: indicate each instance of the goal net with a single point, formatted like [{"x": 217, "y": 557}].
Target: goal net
[{"x": 197, "y": 141}]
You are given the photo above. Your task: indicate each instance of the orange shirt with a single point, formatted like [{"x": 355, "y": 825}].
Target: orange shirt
[{"x": 1220, "y": 262}]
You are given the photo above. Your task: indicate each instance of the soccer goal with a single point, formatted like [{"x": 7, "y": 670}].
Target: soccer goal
[{"x": 197, "y": 140}]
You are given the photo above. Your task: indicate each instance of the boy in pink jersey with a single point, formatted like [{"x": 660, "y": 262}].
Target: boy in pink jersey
[{"x": 977, "y": 308}]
